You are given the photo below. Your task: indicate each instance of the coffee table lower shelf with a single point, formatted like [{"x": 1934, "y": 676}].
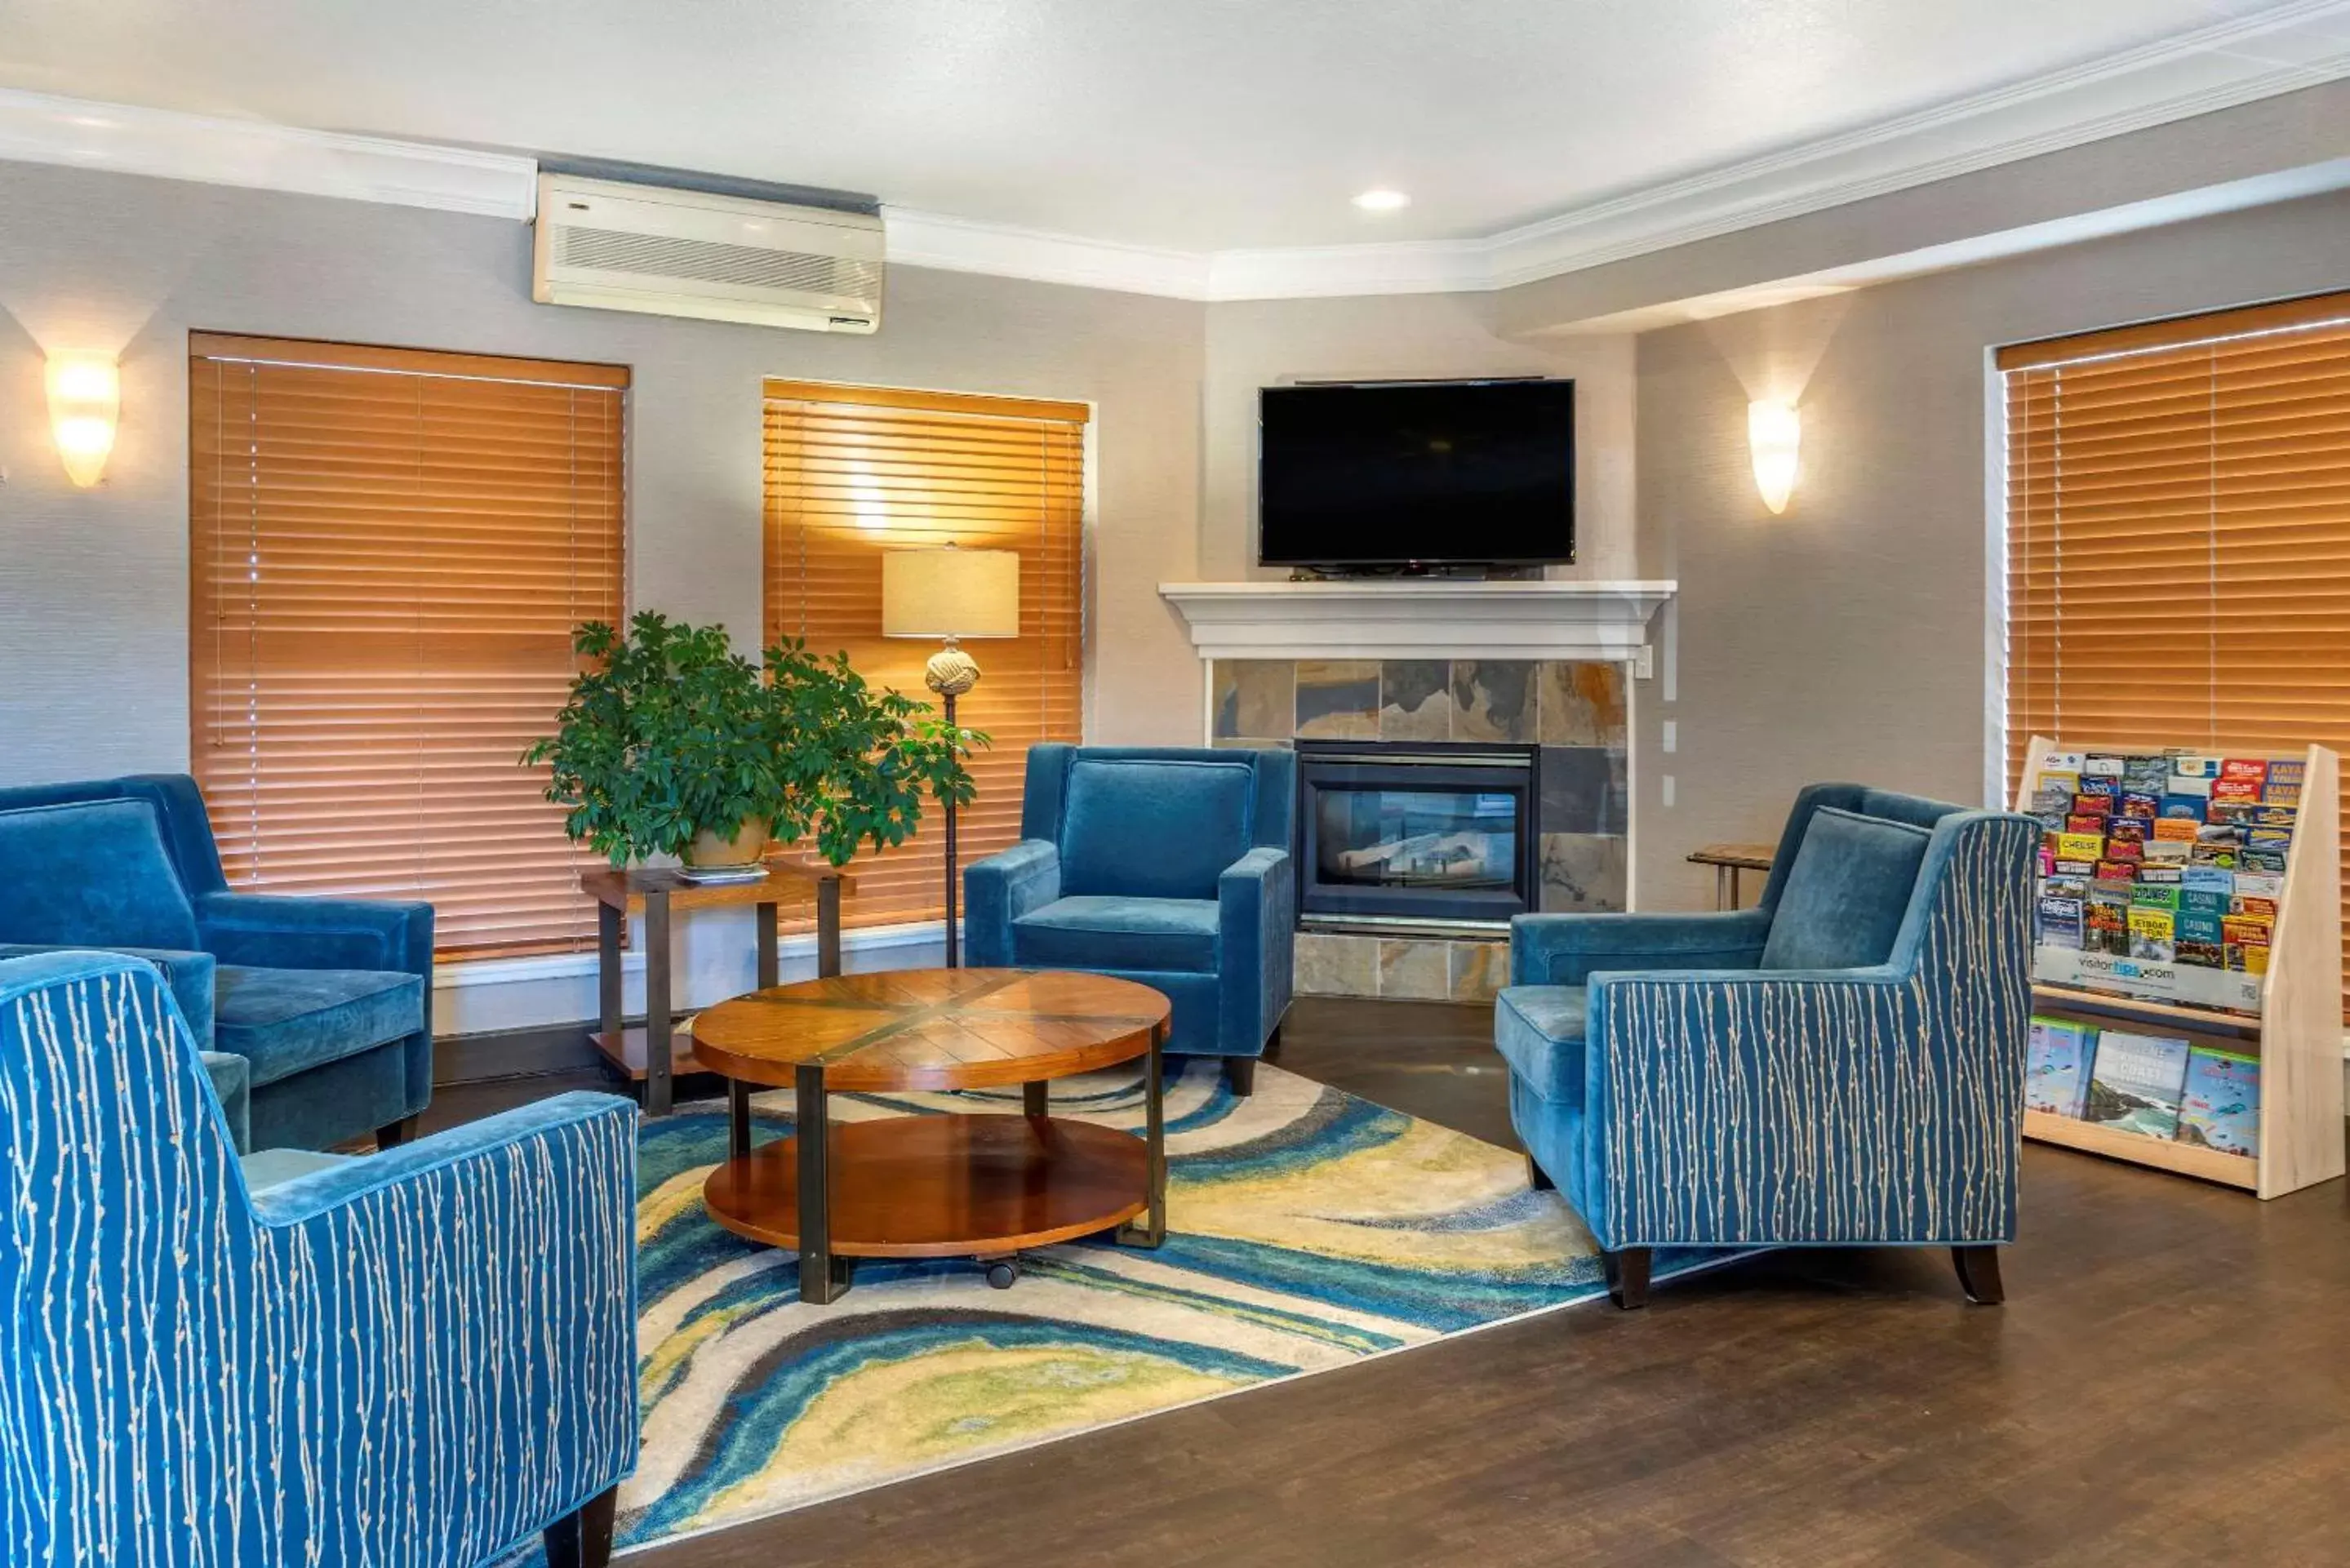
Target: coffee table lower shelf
[{"x": 982, "y": 1186}]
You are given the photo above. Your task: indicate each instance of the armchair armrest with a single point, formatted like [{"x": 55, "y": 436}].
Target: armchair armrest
[
  {"x": 189, "y": 976},
  {"x": 1566, "y": 949},
  {"x": 1735, "y": 1106},
  {"x": 482, "y": 1283},
  {"x": 273, "y": 932},
  {"x": 568, "y": 1132},
  {"x": 1001, "y": 889},
  {"x": 1256, "y": 897}
]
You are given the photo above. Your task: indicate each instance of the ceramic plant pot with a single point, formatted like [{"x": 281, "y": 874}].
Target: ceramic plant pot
[{"x": 715, "y": 852}]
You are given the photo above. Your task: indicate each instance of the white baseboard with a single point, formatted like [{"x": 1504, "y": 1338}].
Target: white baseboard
[{"x": 714, "y": 959}]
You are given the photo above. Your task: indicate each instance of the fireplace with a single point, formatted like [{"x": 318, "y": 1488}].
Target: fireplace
[{"x": 1412, "y": 833}]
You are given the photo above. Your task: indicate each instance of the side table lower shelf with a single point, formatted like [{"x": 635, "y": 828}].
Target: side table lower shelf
[{"x": 626, "y": 1049}]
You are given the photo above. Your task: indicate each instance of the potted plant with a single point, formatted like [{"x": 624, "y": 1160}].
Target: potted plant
[{"x": 672, "y": 743}]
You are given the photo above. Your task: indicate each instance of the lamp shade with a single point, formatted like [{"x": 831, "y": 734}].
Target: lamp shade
[{"x": 949, "y": 592}]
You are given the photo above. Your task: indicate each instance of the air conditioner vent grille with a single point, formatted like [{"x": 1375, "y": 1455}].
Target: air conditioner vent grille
[{"x": 707, "y": 261}]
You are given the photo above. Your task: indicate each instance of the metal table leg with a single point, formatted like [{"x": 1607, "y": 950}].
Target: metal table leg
[
  {"x": 827, "y": 928},
  {"x": 738, "y": 1118},
  {"x": 658, "y": 1032},
  {"x": 1151, "y": 1229},
  {"x": 609, "y": 923},
  {"x": 1036, "y": 1100},
  {"x": 1724, "y": 889},
  {"x": 823, "y": 1279},
  {"x": 765, "y": 915}
]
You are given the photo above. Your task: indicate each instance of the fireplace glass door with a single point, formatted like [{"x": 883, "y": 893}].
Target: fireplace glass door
[{"x": 1415, "y": 831}]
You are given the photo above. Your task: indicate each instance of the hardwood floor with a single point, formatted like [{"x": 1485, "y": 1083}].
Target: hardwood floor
[{"x": 2168, "y": 1382}]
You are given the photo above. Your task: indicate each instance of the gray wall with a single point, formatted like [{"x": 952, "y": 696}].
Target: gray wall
[
  {"x": 93, "y": 584},
  {"x": 1265, "y": 343},
  {"x": 1848, "y": 639}
]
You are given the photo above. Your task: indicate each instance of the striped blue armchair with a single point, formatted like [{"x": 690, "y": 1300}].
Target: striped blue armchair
[
  {"x": 1841, "y": 1064},
  {"x": 419, "y": 1359}
]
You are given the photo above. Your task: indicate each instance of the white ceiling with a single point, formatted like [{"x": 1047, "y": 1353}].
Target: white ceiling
[{"x": 1194, "y": 127}]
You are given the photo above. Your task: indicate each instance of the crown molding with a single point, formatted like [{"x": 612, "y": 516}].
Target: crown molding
[
  {"x": 958, "y": 244},
  {"x": 2288, "y": 46},
  {"x": 2299, "y": 45},
  {"x": 37, "y": 128}
]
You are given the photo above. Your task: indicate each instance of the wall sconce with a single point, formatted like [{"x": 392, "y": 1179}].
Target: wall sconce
[
  {"x": 1773, "y": 430},
  {"x": 85, "y": 400}
]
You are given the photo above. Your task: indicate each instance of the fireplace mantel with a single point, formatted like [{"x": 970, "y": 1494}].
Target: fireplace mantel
[{"x": 1419, "y": 618}]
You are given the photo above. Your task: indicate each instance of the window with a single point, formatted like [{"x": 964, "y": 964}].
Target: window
[
  {"x": 389, "y": 550},
  {"x": 2178, "y": 532},
  {"x": 854, "y": 471}
]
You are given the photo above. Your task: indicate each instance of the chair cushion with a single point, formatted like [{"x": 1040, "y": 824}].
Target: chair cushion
[
  {"x": 93, "y": 874},
  {"x": 1538, "y": 1028},
  {"x": 287, "y": 1021},
  {"x": 1153, "y": 827},
  {"x": 1090, "y": 931},
  {"x": 270, "y": 1168},
  {"x": 1845, "y": 897}
]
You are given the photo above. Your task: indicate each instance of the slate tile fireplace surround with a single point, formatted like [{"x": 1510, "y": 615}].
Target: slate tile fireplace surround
[{"x": 1556, "y": 732}]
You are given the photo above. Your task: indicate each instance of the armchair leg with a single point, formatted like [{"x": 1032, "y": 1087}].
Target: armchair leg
[
  {"x": 1978, "y": 1274},
  {"x": 1240, "y": 1073},
  {"x": 1273, "y": 1044},
  {"x": 392, "y": 1135},
  {"x": 1627, "y": 1276},
  {"x": 583, "y": 1539},
  {"x": 1537, "y": 1177}
]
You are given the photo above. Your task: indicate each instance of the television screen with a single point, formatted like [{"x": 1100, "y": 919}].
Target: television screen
[{"x": 1403, "y": 473}]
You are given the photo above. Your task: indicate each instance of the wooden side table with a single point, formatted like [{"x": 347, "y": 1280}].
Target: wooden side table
[
  {"x": 1728, "y": 860},
  {"x": 648, "y": 1055}
]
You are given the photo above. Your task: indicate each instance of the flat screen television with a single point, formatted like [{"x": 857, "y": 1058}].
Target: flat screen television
[{"x": 1393, "y": 474}]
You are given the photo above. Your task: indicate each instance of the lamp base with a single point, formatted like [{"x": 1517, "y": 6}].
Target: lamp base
[
  {"x": 954, "y": 921},
  {"x": 951, "y": 671}
]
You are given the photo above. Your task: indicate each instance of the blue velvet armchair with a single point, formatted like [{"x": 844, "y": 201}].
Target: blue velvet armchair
[
  {"x": 327, "y": 1001},
  {"x": 414, "y": 1359},
  {"x": 1162, "y": 865},
  {"x": 1841, "y": 1064}
]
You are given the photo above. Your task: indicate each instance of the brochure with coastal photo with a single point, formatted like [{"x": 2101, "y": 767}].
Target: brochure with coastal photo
[{"x": 2134, "y": 1083}]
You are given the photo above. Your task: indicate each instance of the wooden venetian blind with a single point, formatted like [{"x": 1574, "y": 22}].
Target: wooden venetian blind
[
  {"x": 852, "y": 473},
  {"x": 389, "y": 551},
  {"x": 2179, "y": 533}
]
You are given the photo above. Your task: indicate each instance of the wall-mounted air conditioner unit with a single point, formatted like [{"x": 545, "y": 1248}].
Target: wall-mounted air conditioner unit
[{"x": 682, "y": 252}]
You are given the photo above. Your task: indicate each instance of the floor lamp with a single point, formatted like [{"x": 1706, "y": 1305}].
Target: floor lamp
[{"x": 952, "y": 594}]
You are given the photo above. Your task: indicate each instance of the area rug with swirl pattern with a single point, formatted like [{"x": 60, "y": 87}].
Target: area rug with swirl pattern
[{"x": 1308, "y": 1230}]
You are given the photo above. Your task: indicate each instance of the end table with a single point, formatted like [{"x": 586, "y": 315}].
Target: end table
[{"x": 646, "y": 1055}]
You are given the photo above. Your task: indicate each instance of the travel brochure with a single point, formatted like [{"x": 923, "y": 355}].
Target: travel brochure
[
  {"x": 2156, "y": 1086},
  {"x": 2160, "y": 873}
]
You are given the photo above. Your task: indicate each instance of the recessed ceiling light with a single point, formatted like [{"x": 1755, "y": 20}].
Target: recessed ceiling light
[{"x": 1382, "y": 200}]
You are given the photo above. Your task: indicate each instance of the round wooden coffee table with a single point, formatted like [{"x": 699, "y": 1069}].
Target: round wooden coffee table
[{"x": 980, "y": 1185}]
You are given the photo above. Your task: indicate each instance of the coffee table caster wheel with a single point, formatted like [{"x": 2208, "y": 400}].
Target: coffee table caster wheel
[{"x": 1001, "y": 1273}]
